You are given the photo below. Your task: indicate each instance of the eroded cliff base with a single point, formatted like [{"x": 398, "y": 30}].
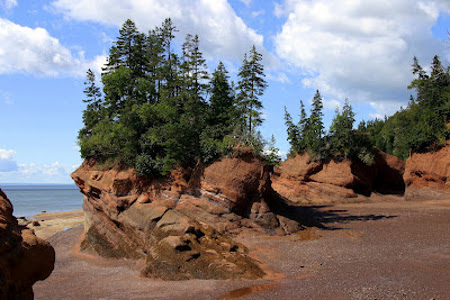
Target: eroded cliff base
[{"x": 183, "y": 225}]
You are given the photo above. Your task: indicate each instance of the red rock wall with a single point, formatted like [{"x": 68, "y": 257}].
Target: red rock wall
[
  {"x": 301, "y": 179},
  {"x": 24, "y": 258},
  {"x": 427, "y": 175},
  {"x": 184, "y": 220}
]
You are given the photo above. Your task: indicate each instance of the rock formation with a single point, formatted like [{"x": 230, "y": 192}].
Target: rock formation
[
  {"x": 24, "y": 258},
  {"x": 303, "y": 180},
  {"x": 182, "y": 225},
  {"x": 427, "y": 175}
]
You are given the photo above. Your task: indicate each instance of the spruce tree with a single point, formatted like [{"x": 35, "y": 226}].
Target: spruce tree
[
  {"x": 293, "y": 132},
  {"x": 92, "y": 113},
  {"x": 251, "y": 86},
  {"x": 341, "y": 131},
  {"x": 314, "y": 128}
]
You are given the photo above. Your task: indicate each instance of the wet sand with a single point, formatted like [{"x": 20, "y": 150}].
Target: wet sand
[{"x": 395, "y": 250}]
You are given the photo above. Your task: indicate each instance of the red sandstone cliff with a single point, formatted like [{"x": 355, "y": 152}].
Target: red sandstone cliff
[
  {"x": 301, "y": 179},
  {"x": 24, "y": 258},
  {"x": 181, "y": 225},
  {"x": 427, "y": 175}
]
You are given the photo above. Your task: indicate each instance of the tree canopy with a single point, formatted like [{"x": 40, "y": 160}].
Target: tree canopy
[
  {"x": 159, "y": 108},
  {"x": 423, "y": 125}
]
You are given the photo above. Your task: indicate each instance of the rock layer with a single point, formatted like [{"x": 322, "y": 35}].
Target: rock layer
[
  {"x": 181, "y": 225},
  {"x": 24, "y": 258},
  {"x": 427, "y": 175},
  {"x": 301, "y": 179}
]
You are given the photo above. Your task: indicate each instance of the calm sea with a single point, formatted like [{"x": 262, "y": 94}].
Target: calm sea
[{"x": 30, "y": 199}]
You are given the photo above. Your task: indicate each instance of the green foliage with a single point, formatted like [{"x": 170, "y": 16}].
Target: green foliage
[
  {"x": 342, "y": 141},
  {"x": 422, "y": 125},
  {"x": 154, "y": 111},
  {"x": 251, "y": 86}
]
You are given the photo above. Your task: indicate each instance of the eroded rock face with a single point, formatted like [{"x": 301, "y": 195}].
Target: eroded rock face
[
  {"x": 427, "y": 175},
  {"x": 301, "y": 179},
  {"x": 24, "y": 258},
  {"x": 181, "y": 225}
]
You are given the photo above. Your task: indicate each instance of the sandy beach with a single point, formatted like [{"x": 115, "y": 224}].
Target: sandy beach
[{"x": 391, "y": 250}]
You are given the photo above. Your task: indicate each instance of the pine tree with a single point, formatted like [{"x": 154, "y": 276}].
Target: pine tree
[
  {"x": 293, "y": 132},
  {"x": 251, "y": 86},
  {"x": 92, "y": 113},
  {"x": 194, "y": 68},
  {"x": 341, "y": 131},
  {"x": 314, "y": 128}
]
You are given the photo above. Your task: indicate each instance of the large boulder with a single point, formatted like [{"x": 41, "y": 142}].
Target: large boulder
[
  {"x": 304, "y": 180},
  {"x": 24, "y": 258},
  {"x": 427, "y": 175},
  {"x": 181, "y": 225}
]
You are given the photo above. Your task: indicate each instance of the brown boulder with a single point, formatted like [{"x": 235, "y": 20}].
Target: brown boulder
[
  {"x": 181, "y": 225},
  {"x": 427, "y": 175},
  {"x": 24, "y": 258}
]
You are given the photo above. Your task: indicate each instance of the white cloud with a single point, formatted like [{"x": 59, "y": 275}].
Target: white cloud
[
  {"x": 278, "y": 10},
  {"x": 27, "y": 50},
  {"x": 258, "y": 13},
  {"x": 331, "y": 104},
  {"x": 12, "y": 172},
  {"x": 280, "y": 77},
  {"x": 7, "y": 162},
  {"x": 360, "y": 50},
  {"x": 38, "y": 173},
  {"x": 246, "y": 2},
  {"x": 385, "y": 108},
  {"x": 222, "y": 33},
  {"x": 8, "y": 4}
]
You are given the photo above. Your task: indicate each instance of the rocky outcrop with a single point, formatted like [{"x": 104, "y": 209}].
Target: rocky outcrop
[
  {"x": 301, "y": 179},
  {"x": 24, "y": 258},
  {"x": 427, "y": 175},
  {"x": 182, "y": 225}
]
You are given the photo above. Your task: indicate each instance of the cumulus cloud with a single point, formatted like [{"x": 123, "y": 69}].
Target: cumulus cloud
[
  {"x": 12, "y": 172},
  {"x": 222, "y": 33},
  {"x": 7, "y": 162},
  {"x": 38, "y": 173},
  {"x": 34, "y": 50},
  {"x": 361, "y": 50}
]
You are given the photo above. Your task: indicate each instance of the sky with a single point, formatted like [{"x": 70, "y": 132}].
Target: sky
[{"x": 348, "y": 49}]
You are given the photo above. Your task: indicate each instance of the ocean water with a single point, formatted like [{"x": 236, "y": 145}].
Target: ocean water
[{"x": 30, "y": 199}]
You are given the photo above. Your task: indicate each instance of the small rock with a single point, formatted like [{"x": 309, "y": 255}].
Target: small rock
[
  {"x": 43, "y": 211},
  {"x": 36, "y": 223},
  {"x": 23, "y": 222},
  {"x": 173, "y": 241}
]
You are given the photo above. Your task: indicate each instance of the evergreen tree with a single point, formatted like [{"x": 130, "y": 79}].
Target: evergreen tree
[
  {"x": 302, "y": 126},
  {"x": 314, "y": 128},
  {"x": 251, "y": 86},
  {"x": 341, "y": 131},
  {"x": 293, "y": 132},
  {"x": 92, "y": 113}
]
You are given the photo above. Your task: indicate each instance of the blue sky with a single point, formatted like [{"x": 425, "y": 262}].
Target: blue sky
[{"x": 360, "y": 50}]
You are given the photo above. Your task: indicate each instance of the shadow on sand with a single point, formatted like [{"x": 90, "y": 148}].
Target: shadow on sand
[{"x": 320, "y": 216}]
